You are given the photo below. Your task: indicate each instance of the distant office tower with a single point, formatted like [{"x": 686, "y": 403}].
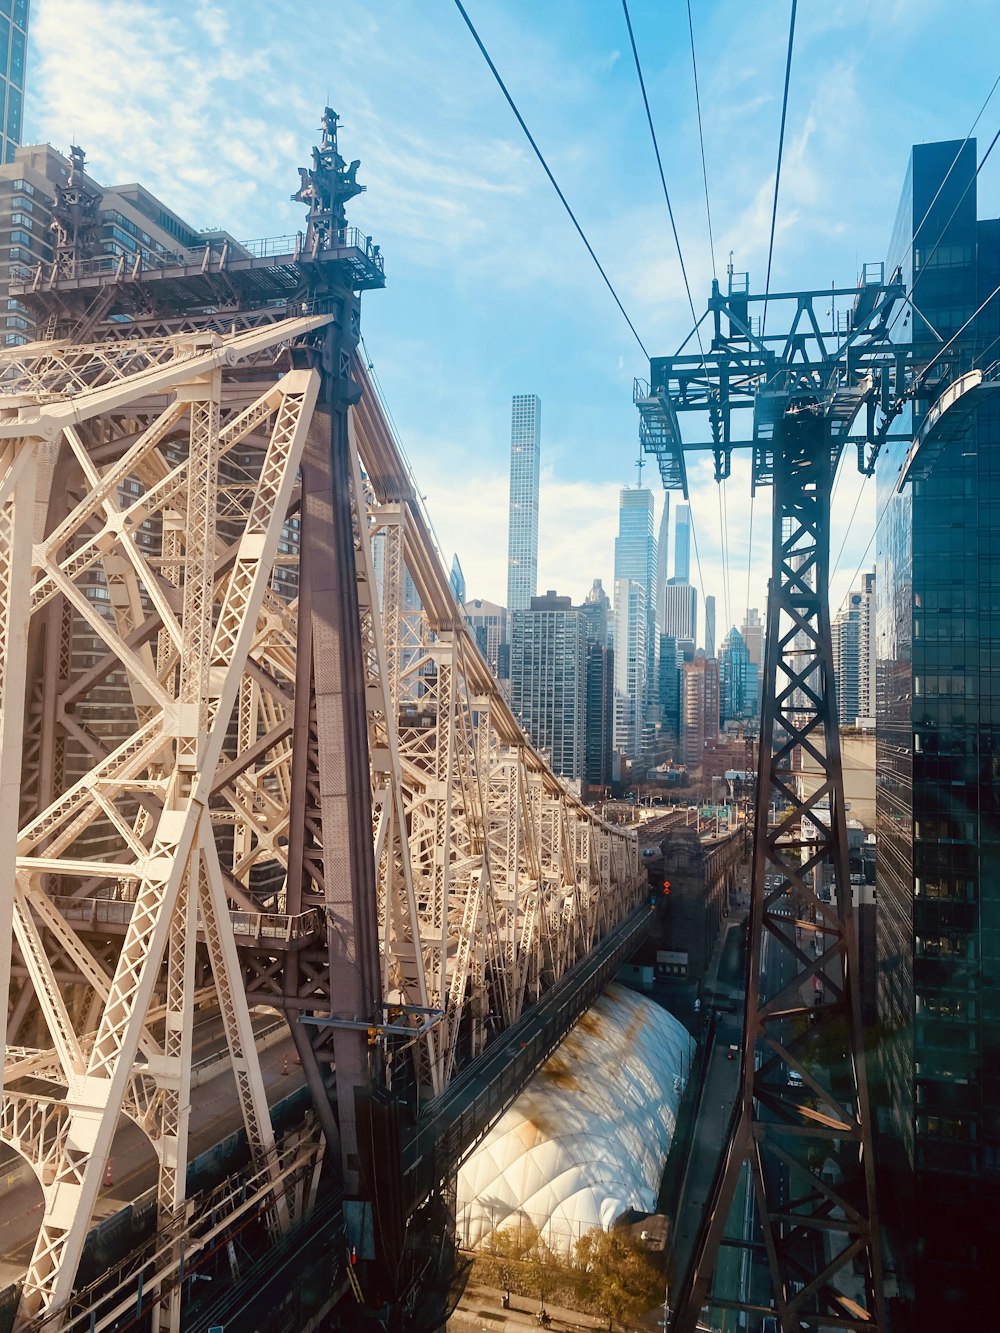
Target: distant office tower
[
  {"x": 13, "y": 58},
  {"x": 734, "y": 661},
  {"x": 854, "y": 654},
  {"x": 635, "y": 559},
  {"x": 699, "y": 708},
  {"x": 751, "y": 697},
  {"x": 846, "y": 659},
  {"x": 635, "y": 545},
  {"x": 522, "y": 529},
  {"x": 599, "y": 720},
  {"x": 548, "y": 679},
  {"x": 867, "y": 647},
  {"x": 680, "y": 610},
  {"x": 662, "y": 557},
  {"x": 457, "y": 581},
  {"x": 488, "y": 623},
  {"x": 631, "y": 665},
  {"x": 671, "y": 664},
  {"x": 709, "y": 626},
  {"x": 596, "y": 613},
  {"x": 753, "y": 636},
  {"x": 682, "y": 545},
  {"x": 599, "y": 725},
  {"x": 938, "y": 793}
]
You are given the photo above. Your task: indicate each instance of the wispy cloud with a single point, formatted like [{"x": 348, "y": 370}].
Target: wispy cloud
[{"x": 489, "y": 290}]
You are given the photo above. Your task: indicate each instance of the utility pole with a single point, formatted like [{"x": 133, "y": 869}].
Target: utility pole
[{"x": 807, "y": 1221}]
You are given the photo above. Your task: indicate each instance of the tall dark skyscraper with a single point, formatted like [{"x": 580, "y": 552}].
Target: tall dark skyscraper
[
  {"x": 670, "y": 693},
  {"x": 938, "y": 792},
  {"x": 599, "y": 715}
]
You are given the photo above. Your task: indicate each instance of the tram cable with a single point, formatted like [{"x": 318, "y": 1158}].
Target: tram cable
[{"x": 548, "y": 171}]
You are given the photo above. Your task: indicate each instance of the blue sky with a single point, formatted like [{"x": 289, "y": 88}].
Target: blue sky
[{"x": 489, "y": 291}]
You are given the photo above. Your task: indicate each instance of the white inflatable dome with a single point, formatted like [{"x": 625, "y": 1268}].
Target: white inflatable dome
[{"x": 589, "y": 1137}]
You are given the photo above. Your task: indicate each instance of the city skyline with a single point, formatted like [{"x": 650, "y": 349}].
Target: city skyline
[{"x": 465, "y": 231}]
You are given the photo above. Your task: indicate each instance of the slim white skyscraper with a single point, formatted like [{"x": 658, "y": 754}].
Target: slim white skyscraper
[
  {"x": 680, "y": 618},
  {"x": 709, "y": 626},
  {"x": 682, "y": 545},
  {"x": 631, "y": 668},
  {"x": 662, "y": 557},
  {"x": 522, "y": 529}
]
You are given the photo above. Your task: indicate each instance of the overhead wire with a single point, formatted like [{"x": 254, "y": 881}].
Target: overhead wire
[
  {"x": 701, "y": 140},
  {"x": 777, "y": 173},
  {"x": 683, "y": 267},
  {"x": 722, "y": 485},
  {"x": 548, "y": 171},
  {"x": 770, "y": 249}
]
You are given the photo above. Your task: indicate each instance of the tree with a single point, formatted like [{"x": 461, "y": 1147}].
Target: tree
[
  {"x": 617, "y": 1275},
  {"x": 501, "y": 1257}
]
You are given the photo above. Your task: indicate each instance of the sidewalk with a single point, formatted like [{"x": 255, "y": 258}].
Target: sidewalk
[{"x": 481, "y": 1308}]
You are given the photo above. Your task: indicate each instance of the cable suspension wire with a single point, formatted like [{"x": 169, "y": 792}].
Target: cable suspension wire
[
  {"x": 659, "y": 164},
  {"x": 545, "y": 167},
  {"x": 701, "y": 140},
  {"x": 777, "y": 174},
  {"x": 680, "y": 257}
]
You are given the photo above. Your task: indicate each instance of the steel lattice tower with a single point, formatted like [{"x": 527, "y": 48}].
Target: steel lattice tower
[{"x": 800, "y": 1138}]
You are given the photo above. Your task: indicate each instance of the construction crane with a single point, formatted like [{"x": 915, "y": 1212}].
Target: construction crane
[{"x": 799, "y": 1142}]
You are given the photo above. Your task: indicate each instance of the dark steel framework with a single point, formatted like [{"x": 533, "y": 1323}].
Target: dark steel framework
[{"x": 800, "y": 1139}]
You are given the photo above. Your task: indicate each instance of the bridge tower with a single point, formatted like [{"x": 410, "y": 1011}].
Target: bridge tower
[
  {"x": 240, "y": 767},
  {"x": 794, "y": 1189}
]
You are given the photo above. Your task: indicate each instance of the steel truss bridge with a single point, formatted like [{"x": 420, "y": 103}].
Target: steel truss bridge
[{"x": 239, "y": 758}]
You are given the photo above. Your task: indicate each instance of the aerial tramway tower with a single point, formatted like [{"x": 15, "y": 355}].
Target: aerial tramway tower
[{"x": 797, "y": 1162}]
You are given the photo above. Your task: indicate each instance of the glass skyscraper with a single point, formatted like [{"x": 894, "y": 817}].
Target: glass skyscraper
[
  {"x": 522, "y": 529},
  {"x": 938, "y": 775},
  {"x": 635, "y": 562},
  {"x": 682, "y": 545},
  {"x": 13, "y": 57}
]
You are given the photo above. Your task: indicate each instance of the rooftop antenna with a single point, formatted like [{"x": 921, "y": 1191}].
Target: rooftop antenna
[{"x": 640, "y": 463}]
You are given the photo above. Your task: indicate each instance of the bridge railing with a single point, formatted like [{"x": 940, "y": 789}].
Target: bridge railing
[{"x": 93, "y": 912}]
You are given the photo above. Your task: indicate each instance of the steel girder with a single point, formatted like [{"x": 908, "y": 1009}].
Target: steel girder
[
  {"x": 492, "y": 879},
  {"x": 160, "y": 756},
  {"x": 158, "y": 562},
  {"x": 802, "y": 1124}
]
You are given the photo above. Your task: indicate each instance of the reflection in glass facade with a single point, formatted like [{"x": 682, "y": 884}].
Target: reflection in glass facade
[
  {"x": 938, "y": 774},
  {"x": 13, "y": 56}
]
